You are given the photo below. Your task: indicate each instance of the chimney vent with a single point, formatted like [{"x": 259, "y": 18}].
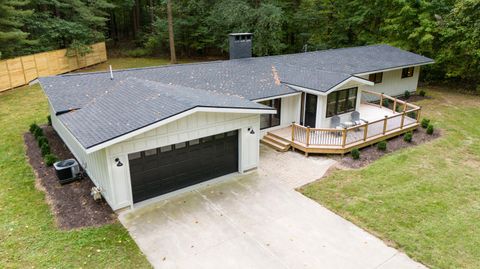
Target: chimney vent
[{"x": 240, "y": 45}]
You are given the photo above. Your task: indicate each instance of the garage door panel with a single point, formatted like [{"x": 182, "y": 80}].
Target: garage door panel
[{"x": 169, "y": 168}]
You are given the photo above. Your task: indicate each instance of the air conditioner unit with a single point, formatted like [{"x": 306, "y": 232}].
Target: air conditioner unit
[{"x": 67, "y": 170}]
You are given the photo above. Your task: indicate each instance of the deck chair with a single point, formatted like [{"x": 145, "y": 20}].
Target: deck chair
[
  {"x": 335, "y": 124},
  {"x": 356, "y": 118}
]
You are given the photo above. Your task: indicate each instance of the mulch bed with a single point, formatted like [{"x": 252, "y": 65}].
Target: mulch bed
[
  {"x": 72, "y": 204},
  {"x": 371, "y": 153}
]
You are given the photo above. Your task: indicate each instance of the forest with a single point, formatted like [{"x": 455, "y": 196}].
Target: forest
[{"x": 445, "y": 30}]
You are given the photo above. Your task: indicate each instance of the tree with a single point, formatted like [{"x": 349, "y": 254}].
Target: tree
[
  {"x": 12, "y": 38},
  {"x": 459, "y": 57},
  {"x": 173, "y": 55},
  {"x": 268, "y": 32},
  {"x": 73, "y": 24}
]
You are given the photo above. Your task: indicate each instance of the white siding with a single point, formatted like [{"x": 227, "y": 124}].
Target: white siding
[
  {"x": 95, "y": 164},
  {"x": 290, "y": 112},
  {"x": 393, "y": 84},
  {"x": 194, "y": 126}
]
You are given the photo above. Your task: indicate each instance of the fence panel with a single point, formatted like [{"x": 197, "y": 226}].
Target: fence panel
[{"x": 21, "y": 70}]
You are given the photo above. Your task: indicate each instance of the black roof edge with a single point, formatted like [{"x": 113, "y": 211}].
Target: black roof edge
[{"x": 400, "y": 66}]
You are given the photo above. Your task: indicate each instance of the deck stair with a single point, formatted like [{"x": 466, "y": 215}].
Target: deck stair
[{"x": 276, "y": 142}]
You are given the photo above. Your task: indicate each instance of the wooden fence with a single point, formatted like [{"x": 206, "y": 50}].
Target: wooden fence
[{"x": 21, "y": 70}]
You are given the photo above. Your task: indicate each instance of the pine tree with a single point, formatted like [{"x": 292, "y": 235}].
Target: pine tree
[{"x": 11, "y": 35}]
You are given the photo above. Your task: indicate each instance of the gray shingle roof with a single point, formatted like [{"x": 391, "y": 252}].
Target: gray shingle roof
[
  {"x": 136, "y": 103},
  {"x": 98, "y": 97}
]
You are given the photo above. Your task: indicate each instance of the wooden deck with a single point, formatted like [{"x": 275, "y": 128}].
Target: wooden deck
[{"x": 382, "y": 123}]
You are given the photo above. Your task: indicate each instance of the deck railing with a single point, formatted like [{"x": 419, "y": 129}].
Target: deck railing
[{"x": 404, "y": 116}]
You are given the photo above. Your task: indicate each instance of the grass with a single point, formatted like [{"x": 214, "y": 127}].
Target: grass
[
  {"x": 28, "y": 235},
  {"x": 423, "y": 200}
]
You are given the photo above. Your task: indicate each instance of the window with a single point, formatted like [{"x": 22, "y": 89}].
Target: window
[
  {"x": 194, "y": 142},
  {"x": 271, "y": 120},
  {"x": 377, "y": 77},
  {"x": 150, "y": 152},
  {"x": 407, "y": 72},
  {"x": 166, "y": 148},
  {"x": 342, "y": 101},
  {"x": 180, "y": 145},
  {"x": 134, "y": 156}
]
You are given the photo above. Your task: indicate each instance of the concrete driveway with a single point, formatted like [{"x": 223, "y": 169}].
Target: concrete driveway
[{"x": 257, "y": 220}]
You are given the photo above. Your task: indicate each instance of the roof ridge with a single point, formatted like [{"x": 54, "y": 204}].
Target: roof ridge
[{"x": 216, "y": 61}]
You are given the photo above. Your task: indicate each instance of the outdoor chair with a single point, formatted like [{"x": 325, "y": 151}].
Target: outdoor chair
[
  {"x": 335, "y": 124},
  {"x": 356, "y": 118}
]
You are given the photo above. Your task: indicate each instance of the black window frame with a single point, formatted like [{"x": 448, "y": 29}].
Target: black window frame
[
  {"x": 376, "y": 77},
  {"x": 272, "y": 119},
  {"x": 338, "y": 101},
  {"x": 408, "y": 72}
]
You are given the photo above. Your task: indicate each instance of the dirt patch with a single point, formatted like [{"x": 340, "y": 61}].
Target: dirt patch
[
  {"x": 72, "y": 204},
  {"x": 371, "y": 153}
]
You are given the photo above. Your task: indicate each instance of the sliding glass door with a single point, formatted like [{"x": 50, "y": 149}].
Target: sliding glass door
[{"x": 271, "y": 120}]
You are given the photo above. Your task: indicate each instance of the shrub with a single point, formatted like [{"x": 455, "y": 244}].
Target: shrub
[
  {"x": 422, "y": 93},
  {"x": 408, "y": 137},
  {"x": 430, "y": 129},
  {"x": 49, "y": 119},
  {"x": 45, "y": 148},
  {"x": 33, "y": 127},
  {"x": 138, "y": 52},
  {"x": 386, "y": 102},
  {"x": 42, "y": 140},
  {"x": 355, "y": 153},
  {"x": 37, "y": 133},
  {"x": 50, "y": 159},
  {"x": 399, "y": 108},
  {"x": 425, "y": 122},
  {"x": 406, "y": 94},
  {"x": 382, "y": 145}
]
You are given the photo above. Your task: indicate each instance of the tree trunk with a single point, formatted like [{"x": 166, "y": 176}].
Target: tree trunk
[
  {"x": 152, "y": 18},
  {"x": 173, "y": 56}
]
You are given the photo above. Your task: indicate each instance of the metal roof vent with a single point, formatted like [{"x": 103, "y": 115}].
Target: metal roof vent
[{"x": 240, "y": 45}]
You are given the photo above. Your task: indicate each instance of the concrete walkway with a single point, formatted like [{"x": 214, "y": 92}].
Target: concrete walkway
[{"x": 257, "y": 220}]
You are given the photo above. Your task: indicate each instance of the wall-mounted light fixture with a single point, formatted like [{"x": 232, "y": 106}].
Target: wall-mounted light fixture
[
  {"x": 119, "y": 163},
  {"x": 251, "y": 131}
]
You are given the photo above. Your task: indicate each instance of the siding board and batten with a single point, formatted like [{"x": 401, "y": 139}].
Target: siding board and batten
[{"x": 22, "y": 70}]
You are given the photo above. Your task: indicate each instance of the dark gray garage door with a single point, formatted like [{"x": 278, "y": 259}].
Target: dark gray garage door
[{"x": 158, "y": 171}]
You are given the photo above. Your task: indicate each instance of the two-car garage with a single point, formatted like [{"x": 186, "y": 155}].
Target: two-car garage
[{"x": 165, "y": 169}]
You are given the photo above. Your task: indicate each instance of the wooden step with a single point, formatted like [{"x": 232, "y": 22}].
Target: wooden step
[
  {"x": 275, "y": 143},
  {"x": 276, "y": 140},
  {"x": 278, "y": 137}
]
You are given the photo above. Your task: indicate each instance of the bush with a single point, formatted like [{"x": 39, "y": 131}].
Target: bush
[
  {"x": 382, "y": 145},
  {"x": 33, "y": 127},
  {"x": 386, "y": 102},
  {"x": 425, "y": 122},
  {"x": 406, "y": 94},
  {"x": 49, "y": 119},
  {"x": 408, "y": 137},
  {"x": 50, "y": 159},
  {"x": 355, "y": 153},
  {"x": 45, "y": 148},
  {"x": 37, "y": 133},
  {"x": 422, "y": 93},
  {"x": 430, "y": 129},
  {"x": 138, "y": 52},
  {"x": 42, "y": 140}
]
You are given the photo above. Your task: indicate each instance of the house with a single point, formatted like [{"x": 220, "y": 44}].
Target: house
[{"x": 145, "y": 132}]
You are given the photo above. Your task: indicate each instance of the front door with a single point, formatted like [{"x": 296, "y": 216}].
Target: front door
[{"x": 310, "y": 110}]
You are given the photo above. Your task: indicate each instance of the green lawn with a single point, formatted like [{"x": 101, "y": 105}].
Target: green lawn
[
  {"x": 28, "y": 236},
  {"x": 423, "y": 200}
]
